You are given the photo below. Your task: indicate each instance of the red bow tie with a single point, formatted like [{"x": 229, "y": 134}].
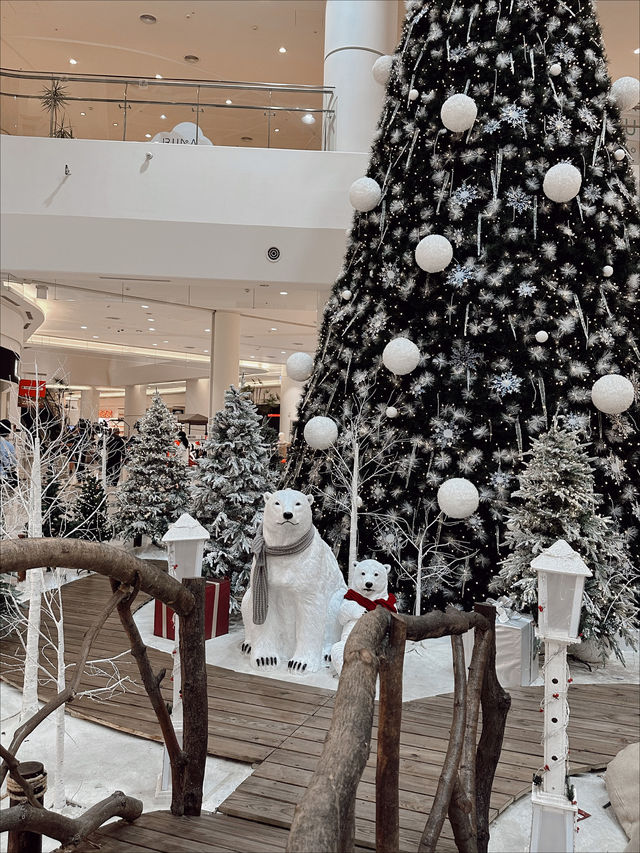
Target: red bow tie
[{"x": 388, "y": 603}]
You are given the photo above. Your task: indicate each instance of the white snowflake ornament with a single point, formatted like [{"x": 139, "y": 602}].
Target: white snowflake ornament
[
  {"x": 401, "y": 356},
  {"x": 458, "y": 113},
  {"x": 612, "y": 394},
  {"x": 365, "y": 194},
  {"x": 607, "y": 271},
  {"x": 299, "y": 366},
  {"x": 433, "y": 253},
  {"x": 320, "y": 432},
  {"x": 619, "y": 154},
  {"x": 562, "y": 182},
  {"x": 555, "y": 69},
  {"x": 414, "y": 95},
  {"x": 346, "y": 294},
  {"x": 626, "y": 93},
  {"x": 391, "y": 412},
  {"x": 458, "y": 497},
  {"x": 542, "y": 336},
  {"x": 382, "y": 69}
]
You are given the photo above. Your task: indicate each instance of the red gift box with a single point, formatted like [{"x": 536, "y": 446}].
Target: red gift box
[{"x": 216, "y": 612}]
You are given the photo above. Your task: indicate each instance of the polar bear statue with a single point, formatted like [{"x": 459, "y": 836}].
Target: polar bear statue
[
  {"x": 369, "y": 590},
  {"x": 290, "y": 610}
]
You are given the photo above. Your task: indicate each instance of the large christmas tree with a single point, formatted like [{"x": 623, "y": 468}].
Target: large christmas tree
[
  {"x": 497, "y": 231},
  {"x": 228, "y": 487},
  {"x": 556, "y": 500},
  {"x": 156, "y": 491}
]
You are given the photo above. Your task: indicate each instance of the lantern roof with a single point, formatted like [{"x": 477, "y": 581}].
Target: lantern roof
[
  {"x": 185, "y": 529},
  {"x": 561, "y": 557}
]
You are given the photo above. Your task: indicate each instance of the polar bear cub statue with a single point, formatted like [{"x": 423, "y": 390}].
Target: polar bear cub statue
[
  {"x": 369, "y": 590},
  {"x": 304, "y": 590}
]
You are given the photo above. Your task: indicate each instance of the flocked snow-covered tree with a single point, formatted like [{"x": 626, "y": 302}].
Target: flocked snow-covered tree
[
  {"x": 497, "y": 229},
  {"x": 156, "y": 491},
  {"x": 228, "y": 486},
  {"x": 557, "y": 500}
]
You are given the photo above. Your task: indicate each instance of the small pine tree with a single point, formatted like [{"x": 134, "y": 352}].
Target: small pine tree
[
  {"x": 557, "y": 501},
  {"x": 227, "y": 489},
  {"x": 89, "y": 519},
  {"x": 54, "y": 519},
  {"x": 156, "y": 491}
]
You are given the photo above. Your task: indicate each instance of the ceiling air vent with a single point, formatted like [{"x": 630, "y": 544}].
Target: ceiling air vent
[{"x": 273, "y": 254}]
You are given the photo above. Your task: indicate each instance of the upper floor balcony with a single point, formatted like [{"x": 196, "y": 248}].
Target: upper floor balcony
[{"x": 200, "y": 112}]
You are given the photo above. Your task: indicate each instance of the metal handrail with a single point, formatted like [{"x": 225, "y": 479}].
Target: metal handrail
[{"x": 153, "y": 81}]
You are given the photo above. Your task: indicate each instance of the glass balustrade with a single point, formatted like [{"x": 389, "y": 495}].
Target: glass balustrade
[{"x": 84, "y": 106}]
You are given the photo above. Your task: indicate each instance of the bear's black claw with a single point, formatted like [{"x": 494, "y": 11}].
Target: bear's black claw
[{"x": 304, "y": 666}]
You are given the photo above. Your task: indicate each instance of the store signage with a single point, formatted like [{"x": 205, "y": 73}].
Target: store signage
[
  {"x": 31, "y": 388},
  {"x": 184, "y": 133}
]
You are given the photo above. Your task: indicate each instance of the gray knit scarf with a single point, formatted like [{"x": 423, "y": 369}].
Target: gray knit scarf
[{"x": 259, "y": 583}]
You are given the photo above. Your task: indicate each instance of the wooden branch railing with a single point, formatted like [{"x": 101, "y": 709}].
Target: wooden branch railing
[{"x": 325, "y": 817}]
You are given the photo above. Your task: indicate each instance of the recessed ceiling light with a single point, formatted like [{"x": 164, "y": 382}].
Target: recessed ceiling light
[
  {"x": 637, "y": 50},
  {"x": 150, "y": 320},
  {"x": 144, "y": 306},
  {"x": 273, "y": 329},
  {"x": 115, "y": 124},
  {"x": 205, "y": 350},
  {"x": 83, "y": 327},
  {"x": 228, "y": 101},
  {"x": 191, "y": 57},
  {"x": 147, "y": 136},
  {"x": 163, "y": 115},
  {"x": 73, "y": 61},
  {"x": 95, "y": 336},
  {"x": 151, "y": 329},
  {"x": 284, "y": 293},
  {"x": 308, "y": 118},
  {"x": 155, "y": 345},
  {"x": 83, "y": 114},
  {"x": 283, "y": 352},
  {"x": 207, "y": 330},
  {"x": 158, "y": 76},
  {"x": 148, "y": 19},
  {"x": 276, "y": 130},
  {"x": 282, "y": 50},
  {"x": 165, "y": 342}
]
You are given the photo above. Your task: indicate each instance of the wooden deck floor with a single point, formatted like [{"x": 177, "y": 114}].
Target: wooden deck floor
[{"x": 281, "y": 727}]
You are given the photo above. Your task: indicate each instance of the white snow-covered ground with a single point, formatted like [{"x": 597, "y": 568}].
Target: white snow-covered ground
[{"x": 100, "y": 760}]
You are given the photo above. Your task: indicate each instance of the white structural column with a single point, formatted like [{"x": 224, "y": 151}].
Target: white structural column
[
  {"x": 225, "y": 356},
  {"x": 198, "y": 393},
  {"x": 356, "y": 33},
  {"x": 290, "y": 394},
  {"x": 135, "y": 403},
  {"x": 89, "y": 404}
]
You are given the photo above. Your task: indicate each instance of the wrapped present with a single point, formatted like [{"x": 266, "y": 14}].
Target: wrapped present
[
  {"x": 516, "y": 655},
  {"x": 216, "y": 612}
]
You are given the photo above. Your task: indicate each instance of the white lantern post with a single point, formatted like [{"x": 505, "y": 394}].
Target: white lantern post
[
  {"x": 561, "y": 575},
  {"x": 185, "y": 540}
]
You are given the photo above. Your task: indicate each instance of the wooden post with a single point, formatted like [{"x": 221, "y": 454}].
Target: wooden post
[
  {"x": 21, "y": 841},
  {"x": 194, "y": 697},
  {"x": 388, "y": 757},
  {"x": 495, "y": 707}
]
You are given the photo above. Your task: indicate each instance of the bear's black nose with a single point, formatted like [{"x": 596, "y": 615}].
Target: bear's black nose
[
  {"x": 287, "y": 515},
  {"x": 368, "y": 585}
]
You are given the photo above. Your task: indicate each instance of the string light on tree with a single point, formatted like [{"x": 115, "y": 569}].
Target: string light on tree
[{"x": 612, "y": 394}]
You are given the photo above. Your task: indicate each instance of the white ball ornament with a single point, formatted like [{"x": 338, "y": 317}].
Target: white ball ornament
[
  {"x": 607, "y": 271},
  {"x": 401, "y": 356},
  {"x": 626, "y": 93},
  {"x": 619, "y": 154},
  {"x": 358, "y": 501},
  {"x": 542, "y": 336},
  {"x": 382, "y": 69},
  {"x": 555, "y": 70},
  {"x": 458, "y": 498},
  {"x": 433, "y": 253},
  {"x": 562, "y": 182},
  {"x": 458, "y": 113},
  {"x": 391, "y": 412},
  {"x": 365, "y": 194},
  {"x": 414, "y": 95},
  {"x": 320, "y": 433},
  {"x": 299, "y": 366},
  {"x": 612, "y": 394},
  {"x": 346, "y": 294}
]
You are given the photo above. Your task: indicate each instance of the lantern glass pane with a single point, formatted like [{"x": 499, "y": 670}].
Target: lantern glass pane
[
  {"x": 185, "y": 553},
  {"x": 560, "y": 594},
  {"x": 552, "y": 829}
]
